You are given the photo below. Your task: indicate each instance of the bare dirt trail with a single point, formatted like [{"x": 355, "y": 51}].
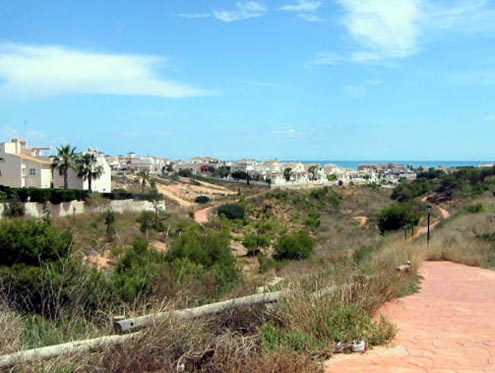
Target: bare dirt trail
[
  {"x": 445, "y": 214},
  {"x": 447, "y": 327}
]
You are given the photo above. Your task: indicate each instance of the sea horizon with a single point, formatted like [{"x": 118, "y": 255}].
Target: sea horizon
[{"x": 414, "y": 163}]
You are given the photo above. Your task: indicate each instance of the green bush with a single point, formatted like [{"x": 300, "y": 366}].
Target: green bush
[
  {"x": 313, "y": 220},
  {"x": 265, "y": 263},
  {"x": 339, "y": 324},
  {"x": 55, "y": 287},
  {"x": 474, "y": 209},
  {"x": 255, "y": 242},
  {"x": 362, "y": 254},
  {"x": 295, "y": 246},
  {"x": 14, "y": 207},
  {"x": 210, "y": 250},
  {"x": 135, "y": 271},
  {"x": 397, "y": 216},
  {"x": 44, "y": 195},
  {"x": 32, "y": 242},
  {"x": 232, "y": 211},
  {"x": 185, "y": 172},
  {"x": 202, "y": 199}
]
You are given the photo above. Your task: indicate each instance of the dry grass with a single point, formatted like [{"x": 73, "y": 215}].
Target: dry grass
[
  {"x": 458, "y": 241},
  {"x": 11, "y": 330}
]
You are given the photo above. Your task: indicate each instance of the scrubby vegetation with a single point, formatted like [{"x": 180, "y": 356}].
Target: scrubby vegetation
[
  {"x": 466, "y": 181},
  {"x": 398, "y": 216},
  {"x": 307, "y": 239}
]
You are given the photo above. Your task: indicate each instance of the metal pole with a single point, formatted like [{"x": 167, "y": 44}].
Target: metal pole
[{"x": 428, "y": 232}]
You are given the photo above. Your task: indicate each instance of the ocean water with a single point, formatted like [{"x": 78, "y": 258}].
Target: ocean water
[{"x": 426, "y": 164}]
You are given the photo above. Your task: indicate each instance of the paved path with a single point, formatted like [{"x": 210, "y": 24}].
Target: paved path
[
  {"x": 449, "y": 326},
  {"x": 445, "y": 214},
  {"x": 201, "y": 216}
]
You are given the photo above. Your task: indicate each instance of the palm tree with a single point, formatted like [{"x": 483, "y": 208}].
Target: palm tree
[
  {"x": 88, "y": 169},
  {"x": 144, "y": 176},
  {"x": 288, "y": 173},
  {"x": 312, "y": 171},
  {"x": 63, "y": 161}
]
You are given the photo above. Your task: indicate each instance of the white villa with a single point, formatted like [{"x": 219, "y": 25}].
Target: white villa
[
  {"x": 25, "y": 167},
  {"x": 103, "y": 184},
  {"x": 21, "y": 166}
]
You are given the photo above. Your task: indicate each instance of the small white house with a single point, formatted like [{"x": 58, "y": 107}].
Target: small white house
[
  {"x": 21, "y": 166},
  {"x": 102, "y": 184}
]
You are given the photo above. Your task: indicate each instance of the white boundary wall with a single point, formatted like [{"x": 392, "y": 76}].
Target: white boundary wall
[{"x": 60, "y": 210}]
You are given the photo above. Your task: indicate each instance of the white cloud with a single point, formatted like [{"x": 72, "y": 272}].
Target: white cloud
[
  {"x": 461, "y": 15},
  {"x": 33, "y": 137},
  {"x": 246, "y": 10},
  {"x": 305, "y": 10},
  {"x": 302, "y": 6},
  {"x": 194, "y": 15},
  {"x": 383, "y": 29},
  {"x": 46, "y": 71},
  {"x": 490, "y": 118},
  {"x": 362, "y": 89},
  {"x": 326, "y": 58}
]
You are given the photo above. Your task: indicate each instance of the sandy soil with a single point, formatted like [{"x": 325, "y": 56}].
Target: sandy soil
[
  {"x": 185, "y": 194},
  {"x": 361, "y": 219},
  {"x": 447, "y": 327}
]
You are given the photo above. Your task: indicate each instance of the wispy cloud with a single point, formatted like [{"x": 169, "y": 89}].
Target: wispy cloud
[
  {"x": 490, "y": 118},
  {"x": 46, "y": 71},
  {"x": 259, "y": 84},
  {"x": 290, "y": 132},
  {"x": 326, "y": 58},
  {"x": 304, "y": 9},
  {"x": 382, "y": 29},
  {"x": 194, "y": 15},
  {"x": 34, "y": 137},
  {"x": 242, "y": 11},
  {"x": 362, "y": 89},
  {"x": 461, "y": 15}
]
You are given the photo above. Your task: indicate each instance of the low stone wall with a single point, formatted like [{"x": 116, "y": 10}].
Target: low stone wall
[{"x": 60, "y": 210}]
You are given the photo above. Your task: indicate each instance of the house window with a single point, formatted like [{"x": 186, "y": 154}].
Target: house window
[{"x": 32, "y": 172}]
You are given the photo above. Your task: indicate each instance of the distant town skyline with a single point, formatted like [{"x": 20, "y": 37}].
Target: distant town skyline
[{"x": 292, "y": 79}]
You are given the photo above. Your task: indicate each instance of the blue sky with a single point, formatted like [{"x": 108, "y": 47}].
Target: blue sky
[{"x": 293, "y": 79}]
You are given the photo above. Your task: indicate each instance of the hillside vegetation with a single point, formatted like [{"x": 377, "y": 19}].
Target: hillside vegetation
[{"x": 98, "y": 265}]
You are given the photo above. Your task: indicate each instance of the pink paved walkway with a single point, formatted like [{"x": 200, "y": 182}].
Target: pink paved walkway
[
  {"x": 201, "y": 216},
  {"x": 449, "y": 326}
]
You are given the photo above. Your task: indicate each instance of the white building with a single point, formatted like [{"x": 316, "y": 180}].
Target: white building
[
  {"x": 21, "y": 166},
  {"x": 102, "y": 184}
]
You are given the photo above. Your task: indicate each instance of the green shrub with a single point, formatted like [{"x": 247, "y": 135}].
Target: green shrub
[
  {"x": 32, "y": 242},
  {"x": 313, "y": 220},
  {"x": 202, "y": 199},
  {"x": 210, "y": 250},
  {"x": 135, "y": 270},
  {"x": 54, "y": 287},
  {"x": 185, "y": 172},
  {"x": 274, "y": 337},
  {"x": 255, "y": 242},
  {"x": 265, "y": 263},
  {"x": 14, "y": 207},
  {"x": 296, "y": 246},
  {"x": 330, "y": 325},
  {"x": 474, "y": 209},
  {"x": 396, "y": 216},
  {"x": 232, "y": 211},
  {"x": 362, "y": 254}
]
